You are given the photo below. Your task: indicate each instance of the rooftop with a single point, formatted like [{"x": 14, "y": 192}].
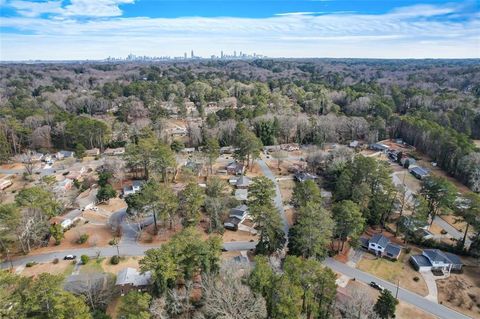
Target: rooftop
[
  {"x": 380, "y": 240},
  {"x": 131, "y": 276}
]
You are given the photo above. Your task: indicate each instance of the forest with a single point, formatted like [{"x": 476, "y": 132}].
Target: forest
[{"x": 433, "y": 105}]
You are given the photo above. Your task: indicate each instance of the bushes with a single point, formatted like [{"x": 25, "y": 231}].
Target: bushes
[
  {"x": 115, "y": 260},
  {"x": 82, "y": 239},
  {"x": 416, "y": 279},
  {"x": 55, "y": 261},
  {"x": 84, "y": 259}
]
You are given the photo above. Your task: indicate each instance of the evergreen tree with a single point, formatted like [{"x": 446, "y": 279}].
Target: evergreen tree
[{"x": 386, "y": 305}]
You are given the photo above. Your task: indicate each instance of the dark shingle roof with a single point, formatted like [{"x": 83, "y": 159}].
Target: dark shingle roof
[
  {"x": 439, "y": 256},
  {"x": 393, "y": 250},
  {"x": 420, "y": 171},
  {"x": 421, "y": 261},
  {"x": 380, "y": 240}
]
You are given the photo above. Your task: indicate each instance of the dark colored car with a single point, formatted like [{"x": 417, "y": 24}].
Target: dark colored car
[
  {"x": 69, "y": 257},
  {"x": 373, "y": 284}
]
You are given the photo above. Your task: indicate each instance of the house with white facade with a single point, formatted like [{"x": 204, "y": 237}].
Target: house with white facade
[
  {"x": 435, "y": 259},
  {"x": 381, "y": 246}
]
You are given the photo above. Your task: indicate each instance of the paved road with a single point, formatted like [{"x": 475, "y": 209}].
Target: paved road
[
  {"x": 403, "y": 294},
  {"x": 124, "y": 249},
  {"x": 278, "y": 196}
]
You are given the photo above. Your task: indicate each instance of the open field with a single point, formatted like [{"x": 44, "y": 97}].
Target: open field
[{"x": 394, "y": 271}]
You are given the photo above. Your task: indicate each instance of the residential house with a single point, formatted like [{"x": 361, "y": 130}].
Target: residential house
[
  {"x": 237, "y": 216},
  {"x": 418, "y": 172},
  {"x": 227, "y": 150},
  {"x": 353, "y": 144},
  {"x": 92, "y": 152},
  {"x": 30, "y": 157},
  {"x": 304, "y": 176},
  {"x": 290, "y": 147},
  {"x": 235, "y": 168},
  {"x": 114, "y": 151},
  {"x": 129, "y": 279},
  {"x": 243, "y": 182},
  {"x": 64, "y": 154},
  {"x": 132, "y": 189},
  {"x": 381, "y": 246},
  {"x": 435, "y": 259},
  {"x": 379, "y": 147}
]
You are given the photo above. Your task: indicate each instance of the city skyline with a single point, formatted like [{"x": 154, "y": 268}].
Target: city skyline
[{"x": 81, "y": 29}]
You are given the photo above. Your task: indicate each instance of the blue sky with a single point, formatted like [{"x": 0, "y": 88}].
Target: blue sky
[{"x": 95, "y": 29}]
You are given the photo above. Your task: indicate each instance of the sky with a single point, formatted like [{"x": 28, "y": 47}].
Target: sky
[{"x": 97, "y": 29}]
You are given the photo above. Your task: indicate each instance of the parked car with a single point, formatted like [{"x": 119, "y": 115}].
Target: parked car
[
  {"x": 373, "y": 284},
  {"x": 69, "y": 257}
]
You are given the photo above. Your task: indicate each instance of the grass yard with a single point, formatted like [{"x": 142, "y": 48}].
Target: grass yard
[
  {"x": 393, "y": 271},
  {"x": 93, "y": 266},
  {"x": 131, "y": 262},
  {"x": 63, "y": 267}
]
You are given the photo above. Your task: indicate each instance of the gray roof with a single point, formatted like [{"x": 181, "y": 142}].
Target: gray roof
[
  {"x": 364, "y": 241},
  {"x": 138, "y": 183},
  {"x": 440, "y": 256},
  {"x": 393, "y": 250},
  {"x": 239, "y": 211},
  {"x": 67, "y": 153},
  {"x": 419, "y": 171},
  {"x": 421, "y": 260},
  {"x": 131, "y": 276},
  {"x": 243, "y": 181},
  {"x": 454, "y": 258},
  {"x": 380, "y": 240}
]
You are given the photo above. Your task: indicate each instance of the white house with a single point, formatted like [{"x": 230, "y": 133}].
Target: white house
[
  {"x": 381, "y": 246},
  {"x": 135, "y": 187},
  {"x": 435, "y": 259}
]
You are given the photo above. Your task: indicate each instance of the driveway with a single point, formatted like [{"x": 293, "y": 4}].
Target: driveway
[{"x": 431, "y": 285}]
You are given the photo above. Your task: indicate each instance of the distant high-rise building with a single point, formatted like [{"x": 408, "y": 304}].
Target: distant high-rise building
[
  {"x": 221, "y": 54},
  {"x": 235, "y": 53},
  {"x": 185, "y": 55},
  {"x": 192, "y": 55}
]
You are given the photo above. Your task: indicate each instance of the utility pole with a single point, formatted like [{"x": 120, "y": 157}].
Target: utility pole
[{"x": 398, "y": 284}]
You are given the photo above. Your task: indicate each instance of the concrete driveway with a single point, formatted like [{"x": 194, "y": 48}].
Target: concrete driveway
[{"x": 431, "y": 285}]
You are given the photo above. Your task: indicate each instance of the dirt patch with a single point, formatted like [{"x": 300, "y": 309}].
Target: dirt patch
[
  {"x": 394, "y": 271},
  {"x": 98, "y": 236},
  {"x": 410, "y": 181},
  {"x": 114, "y": 307},
  {"x": 64, "y": 267},
  {"x": 461, "y": 292},
  {"x": 131, "y": 262},
  {"x": 286, "y": 189},
  {"x": 228, "y": 255},
  {"x": 229, "y": 236},
  {"x": 113, "y": 205},
  {"x": 290, "y": 215}
]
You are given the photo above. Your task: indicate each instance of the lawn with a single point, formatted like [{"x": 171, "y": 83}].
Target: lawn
[
  {"x": 63, "y": 267},
  {"x": 93, "y": 266},
  {"x": 393, "y": 271}
]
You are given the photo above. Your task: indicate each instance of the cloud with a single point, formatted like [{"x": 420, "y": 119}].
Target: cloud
[
  {"x": 85, "y": 8},
  {"x": 418, "y": 31}
]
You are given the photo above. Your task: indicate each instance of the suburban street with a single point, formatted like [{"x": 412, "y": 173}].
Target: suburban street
[
  {"x": 403, "y": 294},
  {"x": 129, "y": 247}
]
